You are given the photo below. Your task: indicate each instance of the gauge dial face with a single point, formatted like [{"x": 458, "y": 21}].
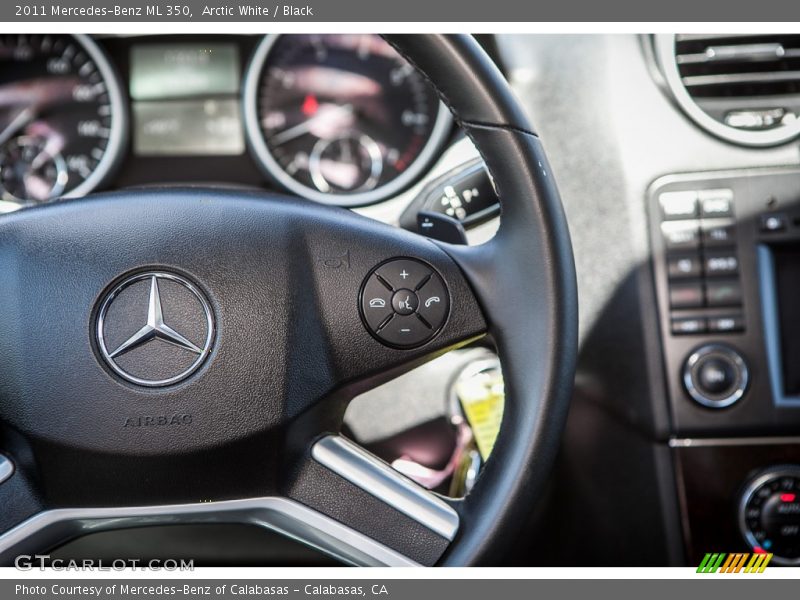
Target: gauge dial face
[
  {"x": 770, "y": 514},
  {"x": 61, "y": 117},
  {"x": 341, "y": 119}
]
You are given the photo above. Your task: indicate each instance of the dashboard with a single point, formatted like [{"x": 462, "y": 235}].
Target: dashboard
[
  {"x": 676, "y": 157},
  {"x": 338, "y": 119},
  {"x": 681, "y": 196}
]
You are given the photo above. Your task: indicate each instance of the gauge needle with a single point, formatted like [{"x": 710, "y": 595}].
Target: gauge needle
[
  {"x": 325, "y": 113},
  {"x": 17, "y": 123}
]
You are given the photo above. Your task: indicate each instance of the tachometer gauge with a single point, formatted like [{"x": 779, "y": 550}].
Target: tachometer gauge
[
  {"x": 62, "y": 120},
  {"x": 341, "y": 119}
]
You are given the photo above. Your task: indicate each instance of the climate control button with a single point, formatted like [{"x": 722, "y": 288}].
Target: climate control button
[{"x": 769, "y": 513}]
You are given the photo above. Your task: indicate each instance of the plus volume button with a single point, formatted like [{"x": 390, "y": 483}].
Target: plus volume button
[{"x": 404, "y": 273}]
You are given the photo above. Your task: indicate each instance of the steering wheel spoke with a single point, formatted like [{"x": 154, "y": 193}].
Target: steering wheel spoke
[
  {"x": 380, "y": 325},
  {"x": 49, "y": 529},
  {"x": 17, "y": 496},
  {"x": 345, "y": 482}
]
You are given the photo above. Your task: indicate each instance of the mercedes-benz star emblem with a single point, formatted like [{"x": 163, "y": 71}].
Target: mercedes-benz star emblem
[{"x": 155, "y": 328}]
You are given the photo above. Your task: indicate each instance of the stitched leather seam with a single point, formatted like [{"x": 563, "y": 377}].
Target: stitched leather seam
[{"x": 501, "y": 126}]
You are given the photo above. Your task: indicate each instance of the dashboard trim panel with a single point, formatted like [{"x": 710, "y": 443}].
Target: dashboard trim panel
[
  {"x": 746, "y": 441},
  {"x": 6, "y": 468}
]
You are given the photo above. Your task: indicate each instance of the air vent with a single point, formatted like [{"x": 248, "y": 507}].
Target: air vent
[{"x": 742, "y": 88}]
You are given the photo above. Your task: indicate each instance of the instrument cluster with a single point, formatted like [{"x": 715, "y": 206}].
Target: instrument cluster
[{"x": 339, "y": 119}]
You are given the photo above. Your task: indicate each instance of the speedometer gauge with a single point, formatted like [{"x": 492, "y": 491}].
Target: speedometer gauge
[
  {"x": 341, "y": 119},
  {"x": 61, "y": 117}
]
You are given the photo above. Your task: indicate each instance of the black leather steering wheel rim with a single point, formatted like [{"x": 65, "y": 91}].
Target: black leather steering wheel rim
[
  {"x": 537, "y": 334},
  {"x": 60, "y": 408}
]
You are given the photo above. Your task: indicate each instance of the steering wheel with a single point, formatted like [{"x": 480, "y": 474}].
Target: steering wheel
[{"x": 187, "y": 355}]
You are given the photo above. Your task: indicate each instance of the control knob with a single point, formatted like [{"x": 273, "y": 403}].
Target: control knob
[
  {"x": 769, "y": 513},
  {"x": 715, "y": 376}
]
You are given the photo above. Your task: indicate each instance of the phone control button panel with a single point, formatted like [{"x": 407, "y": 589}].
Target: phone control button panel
[{"x": 404, "y": 303}]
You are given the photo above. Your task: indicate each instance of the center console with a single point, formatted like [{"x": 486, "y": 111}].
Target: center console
[{"x": 726, "y": 260}]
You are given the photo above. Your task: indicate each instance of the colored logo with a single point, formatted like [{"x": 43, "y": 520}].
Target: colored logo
[{"x": 734, "y": 563}]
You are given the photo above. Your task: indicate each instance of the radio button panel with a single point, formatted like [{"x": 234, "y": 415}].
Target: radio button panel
[
  {"x": 697, "y": 252},
  {"x": 713, "y": 288}
]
